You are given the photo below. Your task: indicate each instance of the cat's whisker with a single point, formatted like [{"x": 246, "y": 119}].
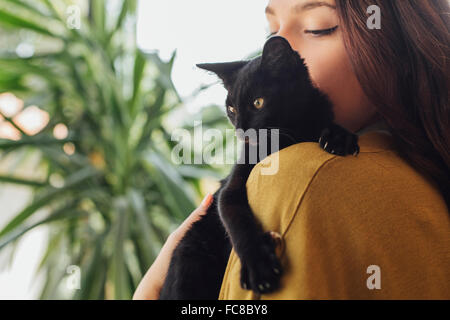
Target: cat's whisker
[
  {"x": 282, "y": 131},
  {"x": 288, "y": 135}
]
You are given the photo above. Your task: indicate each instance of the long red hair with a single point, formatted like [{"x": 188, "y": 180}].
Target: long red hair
[{"x": 404, "y": 69}]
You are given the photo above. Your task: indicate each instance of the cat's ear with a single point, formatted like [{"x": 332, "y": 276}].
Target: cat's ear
[
  {"x": 278, "y": 57},
  {"x": 224, "y": 70}
]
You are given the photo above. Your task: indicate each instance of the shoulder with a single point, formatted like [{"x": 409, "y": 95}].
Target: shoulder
[
  {"x": 377, "y": 168},
  {"x": 340, "y": 215},
  {"x": 308, "y": 177}
]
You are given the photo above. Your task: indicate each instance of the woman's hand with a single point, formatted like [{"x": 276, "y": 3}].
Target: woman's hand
[{"x": 151, "y": 285}]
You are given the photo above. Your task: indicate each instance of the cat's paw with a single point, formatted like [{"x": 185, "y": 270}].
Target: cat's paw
[
  {"x": 261, "y": 269},
  {"x": 337, "y": 140}
]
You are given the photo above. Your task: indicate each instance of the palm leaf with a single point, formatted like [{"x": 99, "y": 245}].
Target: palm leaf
[
  {"x": 21, "y": 181},
  {"x": 12, "y": 20},
  {"x": 65, "y": 213},
  {"x": 171, "y": 185},
  {"x": 47, "y": 196}
]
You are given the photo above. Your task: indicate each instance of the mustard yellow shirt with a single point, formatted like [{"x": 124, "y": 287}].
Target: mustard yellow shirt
[{"x": 338, "y": 216}]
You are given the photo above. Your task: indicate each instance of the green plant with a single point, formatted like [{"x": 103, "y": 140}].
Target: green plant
[{"x": 111, "y": 204}]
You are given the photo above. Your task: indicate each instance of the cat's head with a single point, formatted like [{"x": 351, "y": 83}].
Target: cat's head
[{"x": 271, "y": 91}]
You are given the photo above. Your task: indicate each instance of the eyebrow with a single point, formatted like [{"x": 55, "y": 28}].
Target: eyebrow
[{"x": 300, "y": 7}]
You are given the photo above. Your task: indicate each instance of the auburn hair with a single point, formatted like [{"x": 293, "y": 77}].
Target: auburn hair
[{"x": 404, "y": 70}]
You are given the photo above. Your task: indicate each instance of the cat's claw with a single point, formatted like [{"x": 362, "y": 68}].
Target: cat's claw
[
  {"x": 261, "y": 270},
  {"x": 337, "y": 140}
]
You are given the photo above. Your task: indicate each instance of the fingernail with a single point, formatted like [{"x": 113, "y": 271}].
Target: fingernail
[{"x": 207, "y": 200}]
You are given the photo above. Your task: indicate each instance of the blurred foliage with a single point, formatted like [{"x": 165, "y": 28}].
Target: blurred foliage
[{"x": 111, "y": 204}]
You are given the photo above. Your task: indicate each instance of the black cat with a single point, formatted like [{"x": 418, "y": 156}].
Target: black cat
[{"x": 272, "y": 91}]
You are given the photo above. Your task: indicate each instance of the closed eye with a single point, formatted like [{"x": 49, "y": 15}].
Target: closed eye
[
  {"x": 318, "y": 33},
  {"x": 322, "y": 32}
]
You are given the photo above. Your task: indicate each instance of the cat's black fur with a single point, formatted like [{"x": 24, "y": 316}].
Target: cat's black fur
[{"x": 301, "y": 113}]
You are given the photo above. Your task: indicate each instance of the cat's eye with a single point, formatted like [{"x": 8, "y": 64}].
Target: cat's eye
[
  {"x": 258, "y": 103},
  {"x": 231, "y": 109}
]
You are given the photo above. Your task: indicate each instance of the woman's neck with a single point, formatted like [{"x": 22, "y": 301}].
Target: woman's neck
[{"x": 379, "y": 125}]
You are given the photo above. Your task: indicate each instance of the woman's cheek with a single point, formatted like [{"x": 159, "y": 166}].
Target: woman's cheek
[
  {"x": 330, "y": 71},
  {"x": 327, "y": 62}
]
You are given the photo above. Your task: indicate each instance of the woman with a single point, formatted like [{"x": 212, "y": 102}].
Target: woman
[{"x": 374, "y": 226}]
